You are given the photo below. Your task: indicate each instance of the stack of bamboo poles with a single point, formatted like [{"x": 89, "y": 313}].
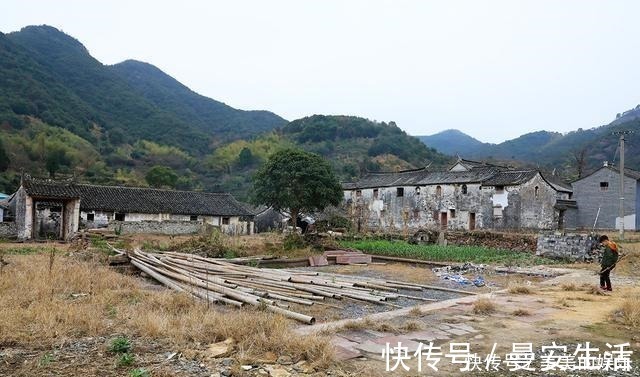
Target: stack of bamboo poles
[{"x": 219, "y": 281}]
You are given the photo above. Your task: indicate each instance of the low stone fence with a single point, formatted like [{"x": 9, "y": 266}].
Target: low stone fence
[
  {"x": 495, "y": 240},
  {"x": 156, "y": 227},
  {"x": 8, "y": 230},
  {"x": 568, "y": 246}
]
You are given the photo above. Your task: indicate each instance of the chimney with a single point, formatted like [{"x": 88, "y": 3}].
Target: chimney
[{"x": 606, "y": 163}]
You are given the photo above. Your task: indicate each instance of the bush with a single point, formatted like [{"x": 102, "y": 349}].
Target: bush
[
  {"x": 629, "y": 312},
  {"x": 520, "y": 289},
  {"x": 126, "y": 359},
  {"x": 293, "y": 241},
  {"x": 139, "y": 372},
  {"x": 120, "y": 344},
  {"x": 484, "y": 306}
]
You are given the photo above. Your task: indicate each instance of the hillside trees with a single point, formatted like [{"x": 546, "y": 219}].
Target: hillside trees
[
  {"x": 4, "y": 158},
  {"x": 161, "y": 176},
  {"x": 296, "y": 180}
]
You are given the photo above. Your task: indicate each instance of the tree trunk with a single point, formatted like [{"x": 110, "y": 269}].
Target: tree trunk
[{"x": 294, "y": 217}]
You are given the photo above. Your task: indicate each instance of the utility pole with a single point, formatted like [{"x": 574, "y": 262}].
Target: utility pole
[{"x": 622, "y": 133}]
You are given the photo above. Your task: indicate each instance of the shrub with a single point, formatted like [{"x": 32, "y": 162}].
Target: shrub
[
  {"x": 126, "y": 359},
  {"x": 120, "y": 344},
  {"x": 520, "y": 289},
  {"x": 484, "y": 306},
  {"x": 139, "y": 372},
  {"x": 629, "y": 312},
  {"x": 521, "y": 313}
]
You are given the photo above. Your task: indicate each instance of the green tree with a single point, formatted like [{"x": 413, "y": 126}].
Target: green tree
[
  {"x": 245, "y": 158},
  {"x": 4, "y": 158},
  {"x": 161, "y": 176},
  {"x": 296, "y": 180},
  {"x": 56, "y": 158}
]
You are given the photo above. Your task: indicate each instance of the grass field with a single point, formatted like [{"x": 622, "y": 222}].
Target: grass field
[{"x": 474, "y": 254}]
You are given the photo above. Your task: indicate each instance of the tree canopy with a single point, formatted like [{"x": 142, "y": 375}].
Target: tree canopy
[
  {"x": 4, "y": 158},
  {"x": 161, "y": 176},
  {"x": 298, "y": 181}
]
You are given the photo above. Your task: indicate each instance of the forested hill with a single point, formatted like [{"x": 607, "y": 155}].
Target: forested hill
[
  {"x": 62, "y": 112},
  {"x": 572, "y": 155},
  {"x": 208, "y": 115},
  {"x": 51, "y": 76}
]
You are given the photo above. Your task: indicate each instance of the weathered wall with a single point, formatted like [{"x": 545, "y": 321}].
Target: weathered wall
[
  {"x": 23, "y": 214},
  {"x": 175, "y": 227},
  {"x": 8, "y": 230},
  {"x": 425, "y": 207},
  {"x": 518, "y": 207},
  {"x": 155, "y": 227},
  {"x": 589, "y": 197},
  {"x": 419, "y": 207},
  {"x": 71, "y": 216},
  {"x": 569, "y": 246}
]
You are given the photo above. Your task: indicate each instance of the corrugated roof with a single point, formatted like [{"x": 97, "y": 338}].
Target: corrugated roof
[{"x": 138, "y": 199}]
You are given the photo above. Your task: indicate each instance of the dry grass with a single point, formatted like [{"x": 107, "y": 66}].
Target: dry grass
[
  {"x": 565, "y": 302},
  {"x": 570, "y": 287},
  {"x": 484, "y": 306},
  {"x": 383, "y": 326},
  {"x": 520, "y": 289},
  {"x": 629, "y": 312},
  {"x": 411, "y": 326},
  {"x": 415, "y": 312},
  {"x": 38, "y": 308},
  {"x": 521, "y": 313}
]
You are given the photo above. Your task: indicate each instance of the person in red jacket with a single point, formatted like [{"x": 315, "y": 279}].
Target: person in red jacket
[{"x": 609, "y": 260}]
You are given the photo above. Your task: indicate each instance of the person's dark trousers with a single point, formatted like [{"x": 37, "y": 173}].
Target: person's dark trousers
[{"x": 605, "y": 281}]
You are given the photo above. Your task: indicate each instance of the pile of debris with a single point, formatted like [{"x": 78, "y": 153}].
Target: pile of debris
[
  {"x": 454, "y": 273},
  {"x": 219, "y": 281}
]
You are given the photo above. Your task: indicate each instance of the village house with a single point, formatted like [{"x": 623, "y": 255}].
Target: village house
[
  {"x": 598, "y": 196},
  {"x": 470, "y": 195},
  {"x": 48, "y": 209}
]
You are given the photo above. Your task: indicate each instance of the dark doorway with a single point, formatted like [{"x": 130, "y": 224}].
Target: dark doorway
[
  {"x": 443, "y": 220},
  {"x": 48, "y": 220},
  {"x": 561, "y": 219},
  {"x": 472, "y": 221}
]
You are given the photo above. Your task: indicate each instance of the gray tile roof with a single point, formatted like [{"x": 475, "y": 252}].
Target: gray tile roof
[
  {"x": 510, "y": 178},
  {"x": 485, "y": 175},
  {"x": 138, "y": 199},
  {"x": 420, "y": 177}
]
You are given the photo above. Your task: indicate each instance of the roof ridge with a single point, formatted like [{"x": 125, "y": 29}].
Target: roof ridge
[{"x": 152, "y": 188}]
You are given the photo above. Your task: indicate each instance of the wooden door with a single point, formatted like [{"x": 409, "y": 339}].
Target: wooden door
[
  {"x": 472, "y": 221},
  {"x": 443, "y": 220}
]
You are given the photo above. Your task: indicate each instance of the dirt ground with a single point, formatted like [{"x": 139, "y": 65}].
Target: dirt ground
[{"x": 564, "y": 309}]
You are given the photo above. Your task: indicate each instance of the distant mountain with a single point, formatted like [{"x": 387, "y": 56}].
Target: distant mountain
[
  {"x": 572, "y": 154},
  {"x": 453, "y": 142}
]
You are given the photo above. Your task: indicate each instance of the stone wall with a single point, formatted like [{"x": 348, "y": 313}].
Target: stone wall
[
  {"x": 156, "y": 227},
  {"x": 569, "y": 246},
  {"x": 8, "y": 230},
  {"x": 505, "y": 241}
]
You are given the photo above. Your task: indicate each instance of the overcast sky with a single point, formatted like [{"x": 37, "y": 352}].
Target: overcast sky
[{"x": 492, "y": 69}]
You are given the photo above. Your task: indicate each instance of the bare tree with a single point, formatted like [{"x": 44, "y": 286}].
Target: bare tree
[{"x": 579, "y": 158}]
